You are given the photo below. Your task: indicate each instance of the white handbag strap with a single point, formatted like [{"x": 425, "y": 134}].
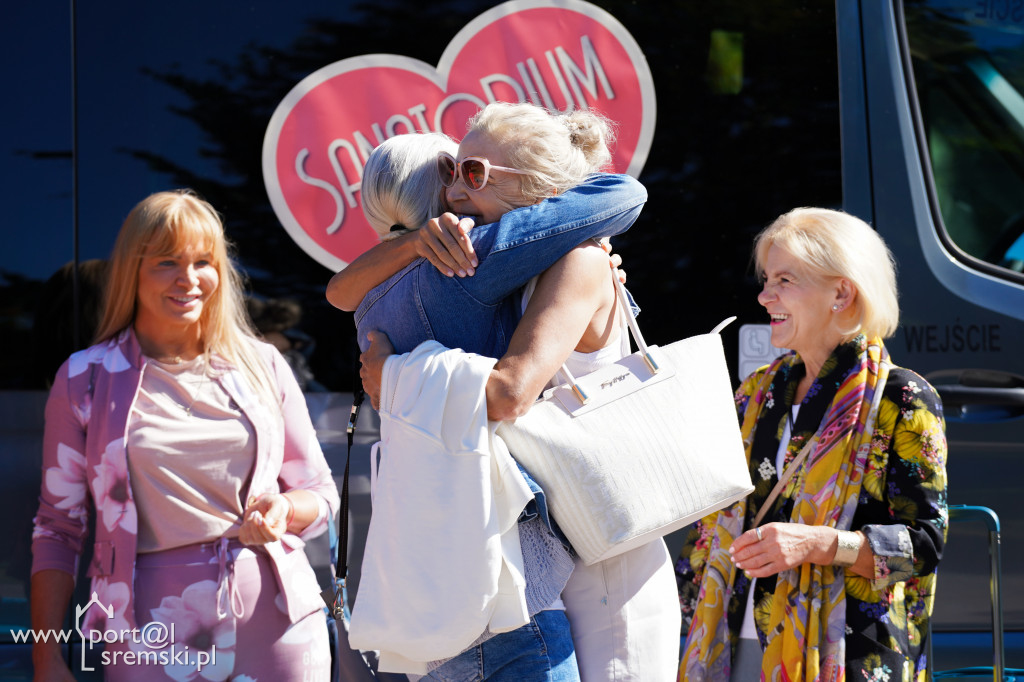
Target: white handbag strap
[
  {"x": 627, "y": 321},
  {"x": 623, "y": 302},
  {"x": 634, "y": 328},
  {"x": 626, "y": 311},
  {"x": 625, "y": 347}
]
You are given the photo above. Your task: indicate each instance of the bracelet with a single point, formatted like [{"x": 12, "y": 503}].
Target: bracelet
[
  {"x": 847, "y": 549},
  {"x": 291, "y": 511}
]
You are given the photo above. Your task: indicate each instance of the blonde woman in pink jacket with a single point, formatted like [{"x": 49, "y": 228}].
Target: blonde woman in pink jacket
[{"x": 190, "y": 439}]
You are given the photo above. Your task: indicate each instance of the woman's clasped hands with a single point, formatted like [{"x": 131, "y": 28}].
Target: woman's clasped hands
[{"x": 266, "y": 518}]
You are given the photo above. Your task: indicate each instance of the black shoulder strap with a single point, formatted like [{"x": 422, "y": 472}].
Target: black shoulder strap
[
  {"x": 334, "y": 596},
  {"x": 341, "y": 567}
]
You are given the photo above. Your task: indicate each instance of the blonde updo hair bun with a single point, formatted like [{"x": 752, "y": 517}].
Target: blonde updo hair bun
[
  {"x": 591, "y": 134},
  {"x": 558, "y": 150}
]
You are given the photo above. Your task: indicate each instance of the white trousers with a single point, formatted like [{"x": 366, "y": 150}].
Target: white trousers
[{"x": 625, "y": 619}]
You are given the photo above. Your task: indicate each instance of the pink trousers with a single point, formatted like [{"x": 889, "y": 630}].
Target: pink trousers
[{"x": 212, "y": 612}]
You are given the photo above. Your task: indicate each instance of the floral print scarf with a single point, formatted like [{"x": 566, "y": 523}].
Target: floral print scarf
[{"x": 806, "y": 633}]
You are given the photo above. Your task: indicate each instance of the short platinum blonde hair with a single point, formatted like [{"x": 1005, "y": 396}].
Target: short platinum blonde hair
[
  {"x": 836, "y": 244},
  {"x": 401, "y": 187},
  {"x": 558, "y": 150}
]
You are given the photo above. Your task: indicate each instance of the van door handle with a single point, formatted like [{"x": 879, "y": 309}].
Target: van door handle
[{"x": 981, "y": 403}]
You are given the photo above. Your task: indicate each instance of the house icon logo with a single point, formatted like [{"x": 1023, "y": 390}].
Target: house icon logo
[{"x": 79, "y": 612}]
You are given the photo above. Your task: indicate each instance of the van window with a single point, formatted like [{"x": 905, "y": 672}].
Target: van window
[{"x": 969, "y": 79}]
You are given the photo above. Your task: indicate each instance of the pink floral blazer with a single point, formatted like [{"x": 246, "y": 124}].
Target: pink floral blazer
[{"x": 85, "y": 463}]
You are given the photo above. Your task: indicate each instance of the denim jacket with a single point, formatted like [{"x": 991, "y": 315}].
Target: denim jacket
[{"x": 478, "y": 314}]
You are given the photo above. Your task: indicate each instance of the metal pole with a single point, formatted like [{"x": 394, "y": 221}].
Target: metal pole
[
  {"x": 997, "y": 602},
  {"x": 76, "y": 314}
]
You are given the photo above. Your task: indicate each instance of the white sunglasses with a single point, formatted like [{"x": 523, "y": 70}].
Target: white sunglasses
[{"x": 474, "y": 170}]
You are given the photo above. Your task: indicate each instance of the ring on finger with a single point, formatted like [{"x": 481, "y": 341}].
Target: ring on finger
[{"x": 759, "y": 538}]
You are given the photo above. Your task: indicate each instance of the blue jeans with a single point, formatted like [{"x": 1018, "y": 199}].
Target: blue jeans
[{"x": 539, "y": 651}]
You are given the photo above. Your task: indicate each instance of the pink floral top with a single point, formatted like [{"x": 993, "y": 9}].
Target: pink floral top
[{"x": 85, "y": 462}]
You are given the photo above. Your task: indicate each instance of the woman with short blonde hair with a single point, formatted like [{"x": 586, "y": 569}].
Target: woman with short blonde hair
[
  {"x": 836, "y": 244},
  {"x": 827, "y": 570}
]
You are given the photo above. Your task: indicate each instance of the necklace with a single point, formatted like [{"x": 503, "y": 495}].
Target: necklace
[
  {"x": 179, "y": 378},
  {"x": 199, "y": 389}
]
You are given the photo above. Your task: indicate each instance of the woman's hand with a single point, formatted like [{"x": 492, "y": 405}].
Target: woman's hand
[
  {"x": 266, "y": 519},
  {"x": 783, "y": 546},
  {"x": 445, "y": 243},
  {"x": 371, "y": 365},
  {"x": 442, "y": 241},
  {"x": 614, "y": 259}
]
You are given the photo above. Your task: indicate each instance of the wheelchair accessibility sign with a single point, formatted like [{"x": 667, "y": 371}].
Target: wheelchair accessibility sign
[{"x": 756, "y": 349}]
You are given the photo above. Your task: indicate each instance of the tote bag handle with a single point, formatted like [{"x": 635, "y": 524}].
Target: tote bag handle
[{"x": 626, "y": 311}]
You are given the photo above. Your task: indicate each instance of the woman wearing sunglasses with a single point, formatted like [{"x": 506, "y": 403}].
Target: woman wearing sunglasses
[
  {"x": 623, "y": 612},
  {"x": 515, "y": 244}
]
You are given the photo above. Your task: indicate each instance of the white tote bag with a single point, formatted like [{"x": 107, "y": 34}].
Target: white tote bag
[{"x": 655, "y": 446}]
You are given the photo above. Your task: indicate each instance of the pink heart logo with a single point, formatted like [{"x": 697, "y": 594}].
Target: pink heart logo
[{"x": 564, "y": 54}]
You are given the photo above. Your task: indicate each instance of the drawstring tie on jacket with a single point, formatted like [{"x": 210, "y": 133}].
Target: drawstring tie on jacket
[{"x": 228, "y": 596}]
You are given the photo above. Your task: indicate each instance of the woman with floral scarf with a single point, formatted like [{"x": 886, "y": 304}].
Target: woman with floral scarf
[{"x": 833, "y": 578}]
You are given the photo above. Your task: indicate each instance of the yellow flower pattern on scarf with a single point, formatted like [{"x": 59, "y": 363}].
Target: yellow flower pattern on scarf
[{"x": 804, "y": 620}]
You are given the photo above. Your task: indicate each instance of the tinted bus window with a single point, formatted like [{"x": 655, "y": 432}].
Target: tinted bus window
[
  {"x": 969, "y": 71},
  {"x": 180, "y": 94}
]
